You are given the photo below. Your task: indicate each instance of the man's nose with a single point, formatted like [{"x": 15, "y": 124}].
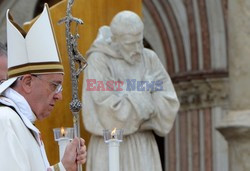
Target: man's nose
[{"x": 58, "y": 96}]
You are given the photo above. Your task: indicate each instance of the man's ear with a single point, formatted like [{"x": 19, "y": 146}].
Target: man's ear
[{"x": 26, "y": 83}]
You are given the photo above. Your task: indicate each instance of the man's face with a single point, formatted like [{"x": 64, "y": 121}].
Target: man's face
[
  {"x": 3, "y": 68},
  {"x": 131, "y": 47},
  {"x": 44, "y": 95}
]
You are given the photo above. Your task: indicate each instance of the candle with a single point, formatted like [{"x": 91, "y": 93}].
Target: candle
[
  {"x": 114, "y": 164},
  {"x": 62, "y": 142},
  {"x": 63, "y": 136},
  {"x": 113, "y": 140}
]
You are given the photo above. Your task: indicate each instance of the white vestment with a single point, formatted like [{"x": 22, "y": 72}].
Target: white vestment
[
  {"x": 21, "y": 147},
  {"x": 138, "y": 109}
]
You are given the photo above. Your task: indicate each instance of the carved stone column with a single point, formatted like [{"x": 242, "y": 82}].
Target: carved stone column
[{"x": 236, "y": 125}]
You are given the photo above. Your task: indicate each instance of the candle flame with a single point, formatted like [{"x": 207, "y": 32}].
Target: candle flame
[
  {"x": 113, "y": 132},
  {"x": 62, "y": 132}
]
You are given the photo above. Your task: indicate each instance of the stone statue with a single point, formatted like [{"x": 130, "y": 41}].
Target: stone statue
[{"x": 126, "y": 87}]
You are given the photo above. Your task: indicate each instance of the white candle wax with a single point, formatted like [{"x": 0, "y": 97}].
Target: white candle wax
[
  {"x": 114, "y": 155},
  {"x": 62, "y": 142}
]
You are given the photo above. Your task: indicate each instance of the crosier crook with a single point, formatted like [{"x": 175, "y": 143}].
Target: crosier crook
[{"x": 75, "y": 57}]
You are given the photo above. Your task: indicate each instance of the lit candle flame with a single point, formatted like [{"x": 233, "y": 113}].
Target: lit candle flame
[
  {"x": 62, "y": 132},
  {"x": 113, "y": 133}
]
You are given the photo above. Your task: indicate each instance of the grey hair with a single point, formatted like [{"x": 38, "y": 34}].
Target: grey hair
[{"x": 3, "y": 50}]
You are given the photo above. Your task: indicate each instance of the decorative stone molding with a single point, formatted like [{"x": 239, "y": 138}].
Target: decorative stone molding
[{"x": 196, "y": 94}]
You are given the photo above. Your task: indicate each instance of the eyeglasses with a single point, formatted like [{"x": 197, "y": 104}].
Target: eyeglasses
[{"x": 57, "y": 87}]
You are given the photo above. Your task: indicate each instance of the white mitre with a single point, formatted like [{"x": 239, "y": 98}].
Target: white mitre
[{"x": 33, "y": 52}]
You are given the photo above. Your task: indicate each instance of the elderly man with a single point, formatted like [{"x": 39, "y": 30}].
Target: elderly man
[
  {"x": 3, "y": 63},
  {"x": 34, "y": 86},
  {"x": 126, "y": 87}
]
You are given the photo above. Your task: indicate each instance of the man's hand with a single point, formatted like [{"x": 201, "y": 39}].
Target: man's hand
[{"x": 72, "y": 156}]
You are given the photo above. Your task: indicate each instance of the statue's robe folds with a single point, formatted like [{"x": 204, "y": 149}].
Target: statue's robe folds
[{"x": 137, "y": 111}]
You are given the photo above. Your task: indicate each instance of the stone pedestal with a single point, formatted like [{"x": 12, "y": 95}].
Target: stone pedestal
[{"x": 236, "y": 129}]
